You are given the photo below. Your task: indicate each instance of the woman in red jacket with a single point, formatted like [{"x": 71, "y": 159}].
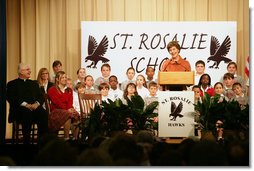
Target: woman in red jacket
[{"x": 62, "y": 111}]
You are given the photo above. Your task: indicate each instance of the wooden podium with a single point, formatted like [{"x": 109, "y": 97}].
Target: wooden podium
[{"x": 176, "y": 78}]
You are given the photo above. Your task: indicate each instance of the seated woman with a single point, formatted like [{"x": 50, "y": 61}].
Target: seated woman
[
  {"x": 62, "y": 111},
  {"x": 43, "y": 80}
]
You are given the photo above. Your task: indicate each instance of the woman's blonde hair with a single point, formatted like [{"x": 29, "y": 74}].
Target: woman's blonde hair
[{"x": 39, "y": 75}]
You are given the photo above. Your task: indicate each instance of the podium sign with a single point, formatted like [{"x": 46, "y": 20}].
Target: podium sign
[
  {"x": 176, "y": 78},
  {"x": 176, "y": 114}
]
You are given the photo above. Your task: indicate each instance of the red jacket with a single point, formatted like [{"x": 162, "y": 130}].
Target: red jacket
[
  {"x": 60, "y": 100},
  {"x": 180, "y": 65}
]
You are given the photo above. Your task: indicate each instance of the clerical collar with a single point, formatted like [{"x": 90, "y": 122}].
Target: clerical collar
[{"x": 23, "y": 79}]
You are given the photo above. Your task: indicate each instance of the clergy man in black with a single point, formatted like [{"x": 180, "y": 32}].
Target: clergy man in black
[{"x": 26, "y": 99}]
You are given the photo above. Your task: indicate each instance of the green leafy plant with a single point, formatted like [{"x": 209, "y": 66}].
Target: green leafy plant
[
  {"x": 216, "y": 108},
  {"x": 113, "y": 116},
  {"x": 141, "y": 115}
]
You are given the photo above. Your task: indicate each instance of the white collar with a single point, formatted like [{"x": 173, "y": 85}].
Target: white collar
[{"x": 240, "y": 96}]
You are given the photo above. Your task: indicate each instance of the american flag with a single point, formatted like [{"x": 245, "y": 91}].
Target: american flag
[{"x": 246, "y": 69}]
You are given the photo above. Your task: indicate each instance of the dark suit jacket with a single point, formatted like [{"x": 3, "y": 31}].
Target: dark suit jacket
[
  {"x": 50, "y": 84},
  {"x": 19, "y": 91}
]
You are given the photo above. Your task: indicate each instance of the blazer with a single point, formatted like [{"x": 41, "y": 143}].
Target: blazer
[
  {"x": 180, "y": 65},
  {"x": 50, "y": 84}
]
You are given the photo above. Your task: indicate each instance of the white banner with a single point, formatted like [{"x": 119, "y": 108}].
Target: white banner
[
  {"x": 142, "y": 44},
  {"x": 176, "y": 114}
]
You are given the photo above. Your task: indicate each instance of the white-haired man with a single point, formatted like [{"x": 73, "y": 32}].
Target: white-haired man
[{"x": 26, "y": 99}]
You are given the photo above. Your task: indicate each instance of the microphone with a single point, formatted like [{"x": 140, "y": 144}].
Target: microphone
[{"x": 166, "y": 65}]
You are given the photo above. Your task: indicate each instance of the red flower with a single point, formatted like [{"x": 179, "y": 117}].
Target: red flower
[
  {"x": 155, "y": 119},
  {"x": 201, "y": 94},
  {"x": 210, "y": 91}
]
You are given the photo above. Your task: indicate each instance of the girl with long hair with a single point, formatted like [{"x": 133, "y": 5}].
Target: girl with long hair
[{"x": 62, "y": 111}]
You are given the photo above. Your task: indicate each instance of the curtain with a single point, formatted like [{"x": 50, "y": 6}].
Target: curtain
[{"x": 41, "y": 31}]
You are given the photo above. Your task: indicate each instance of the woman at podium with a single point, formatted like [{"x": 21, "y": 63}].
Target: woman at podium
[{"x": 175, "y": 63}]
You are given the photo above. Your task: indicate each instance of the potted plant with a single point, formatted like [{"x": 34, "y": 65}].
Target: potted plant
[
  {"x": 117, "y": 115},
  {"x": 215, "y": 108},
  {"x": 112, "y": 117}
]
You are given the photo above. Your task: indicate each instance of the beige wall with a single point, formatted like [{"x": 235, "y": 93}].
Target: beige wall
[{"x": 41, "y": 31}]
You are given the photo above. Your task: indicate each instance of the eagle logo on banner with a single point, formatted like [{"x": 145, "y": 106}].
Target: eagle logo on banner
[
  {"x": 95, "y": 52},
  {"x": 218, "y": 52},
  {"x": 175, "y": 111}
]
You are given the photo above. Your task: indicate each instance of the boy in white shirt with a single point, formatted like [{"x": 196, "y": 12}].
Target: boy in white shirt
[
  {"x": 153, "y": 96},
  {"x": 79, "y": 88},
  {"x": 150, "y": 75},
  {"x": 200, "y": 70},
  {"x": 114, "y": 91}
]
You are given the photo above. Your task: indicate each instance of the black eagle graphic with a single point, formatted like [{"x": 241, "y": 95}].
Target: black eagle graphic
[
  {"x": 175, "y": 111},
  {"x": 95, "y": 53},
  {"x": 218, "y": 52}
]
